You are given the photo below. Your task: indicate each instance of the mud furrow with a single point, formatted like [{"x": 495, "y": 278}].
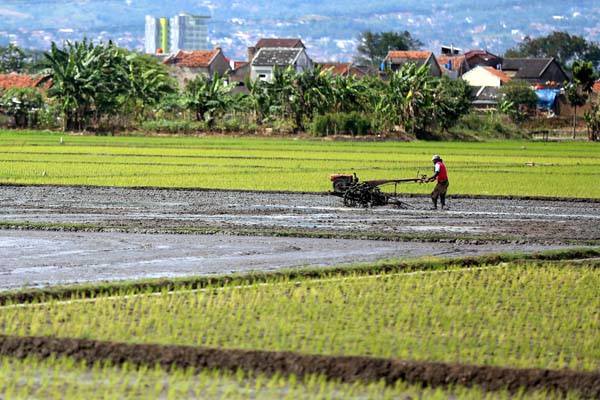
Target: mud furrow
[{"x": 344, "y": 368}]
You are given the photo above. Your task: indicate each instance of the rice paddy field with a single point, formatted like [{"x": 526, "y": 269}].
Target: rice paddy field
[
  {"x": 437, "y": 330},
  {"x": 491, "y": 168},
  {"x": 509, "y": 315}
]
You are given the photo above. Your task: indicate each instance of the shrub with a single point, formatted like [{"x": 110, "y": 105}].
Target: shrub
[
  {"x": 168, "y": 126},
  {"x": 487, "y": 126},
  {"x": 354, "y": 123}
]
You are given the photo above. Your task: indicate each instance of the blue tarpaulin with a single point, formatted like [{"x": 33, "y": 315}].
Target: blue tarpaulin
[{"x": 546, "y": 98}]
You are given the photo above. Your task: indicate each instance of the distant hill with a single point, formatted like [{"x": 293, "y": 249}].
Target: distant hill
[{"x": 328, "y": 28}]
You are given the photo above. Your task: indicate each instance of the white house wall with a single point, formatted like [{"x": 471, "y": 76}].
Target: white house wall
[{"x": 479, "y": 76}]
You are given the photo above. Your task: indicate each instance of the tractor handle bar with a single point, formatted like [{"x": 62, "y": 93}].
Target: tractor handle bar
[{"x": 380, "y": 182}]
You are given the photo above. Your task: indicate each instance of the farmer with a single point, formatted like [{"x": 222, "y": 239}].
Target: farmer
[{"x": 442, "y": 182}]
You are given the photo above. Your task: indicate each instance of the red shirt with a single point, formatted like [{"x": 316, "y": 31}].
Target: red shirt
[{"x": 443, "y": 175}]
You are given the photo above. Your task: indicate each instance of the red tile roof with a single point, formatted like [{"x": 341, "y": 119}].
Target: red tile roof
[
  {"x": 336, "y": 68},
  {"x": 457, "y": 61},
  {"x": 411, "y": 54},
  {"x": 14, "y": 80},
  {"x": 192, "y": 59},
  {"x": 503, "y": 77},
  {"x": 596, "y": 87},
  {"x": 239, "y": 64},
  {"x": 482, "y": 53}
]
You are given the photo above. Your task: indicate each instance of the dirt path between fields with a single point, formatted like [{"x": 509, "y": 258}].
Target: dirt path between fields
[{"x": 143, "y": 233}]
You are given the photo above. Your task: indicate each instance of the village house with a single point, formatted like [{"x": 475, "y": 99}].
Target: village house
[
  {"x": 267, "y": 59},
  {"x": 243, "y": 69},
  {"x": 537, "y": 71},
  {"x": 486, "y": 76},
  {"x": 454, "y": 66},
  {"x": 482, "y": 58},
  {"x": 396, "y": 59},
  {"x": 185, "y": 66},
  {"x": 485, "y": 83}
]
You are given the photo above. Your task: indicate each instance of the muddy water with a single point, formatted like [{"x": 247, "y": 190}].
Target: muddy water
[{"x": 39, "y": 257}]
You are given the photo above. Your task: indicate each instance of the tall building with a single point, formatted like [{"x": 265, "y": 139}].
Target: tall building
[{"x": 182, "y": 32}]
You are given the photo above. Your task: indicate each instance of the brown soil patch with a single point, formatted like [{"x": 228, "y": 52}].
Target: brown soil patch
[{"x": 345, "y": 368}]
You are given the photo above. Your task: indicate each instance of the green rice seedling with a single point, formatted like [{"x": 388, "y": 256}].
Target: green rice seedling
[
  {"x": 513, "y": 315},
  {"x": 494, "y": 168},
  {"x": 63, "y": 378}
]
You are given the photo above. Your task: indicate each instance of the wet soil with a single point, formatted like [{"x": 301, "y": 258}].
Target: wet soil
[
  {"x": 125, "y": 234},
  {"x": 344, "y": 368}
]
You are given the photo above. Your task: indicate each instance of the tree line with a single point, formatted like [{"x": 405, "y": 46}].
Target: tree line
[{"x": 104, "y": 87}]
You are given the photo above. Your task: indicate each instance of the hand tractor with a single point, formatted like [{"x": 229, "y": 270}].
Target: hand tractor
[{"x": 368, "y": 193}]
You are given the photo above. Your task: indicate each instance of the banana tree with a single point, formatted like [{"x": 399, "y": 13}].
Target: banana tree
[
  {"x": 87, "y": 81},
  {"x": 407, "y": 99},
  {"x": 208, "y": 97}
]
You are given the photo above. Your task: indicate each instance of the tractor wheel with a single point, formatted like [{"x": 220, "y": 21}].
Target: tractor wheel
[{"x": 340, "y": 185}]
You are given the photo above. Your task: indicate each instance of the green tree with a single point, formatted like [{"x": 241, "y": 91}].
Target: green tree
[
  {"x": 87, "y": 80},
  {"x": 258, "y": 100},
  {"x": 312, "y": 95},
  {"x": 581, "y": 87},
  {"x": 564, "y": 47},
  {"x": 519, "y": 98},
  {"x": 373, "y": 47},
  {"x": 452, "y": 99},
  {"x": 349, "y": 94},
  {"x": 23, "y": 105},
  {"x": 149, "y": 83},
  {"x": 208, "y": 97},
  {"x": 12, "y": 59},
  {"x": 280, "y": 91},
  {"x": 592, "y": 119},
  {"x": 408, "y": 99}
]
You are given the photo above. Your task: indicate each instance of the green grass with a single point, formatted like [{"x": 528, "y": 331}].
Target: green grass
[
  {"x": 507, "y": 315},
  {"x": 492, "y": 168}
]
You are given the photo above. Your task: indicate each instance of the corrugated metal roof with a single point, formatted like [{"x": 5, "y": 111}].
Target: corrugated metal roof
[
  {"x": 279, "y": 42},
  {"x": 276, "y": 56}
]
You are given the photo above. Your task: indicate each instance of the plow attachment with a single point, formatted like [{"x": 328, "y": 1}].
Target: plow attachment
[{"x": 368, "y": 193}]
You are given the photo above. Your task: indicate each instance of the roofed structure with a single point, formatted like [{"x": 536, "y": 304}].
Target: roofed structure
[
  {"x": 276, "y": 56},
  {"x": 482, "y": 58},
  {"x": 396, "y": 59},
  {"x": 486, "y": 76},
  {"x": 453, "y": 66},
  {"x": 344, "y": 69},
  {"x": 192, "y": 59},
  {"x": 15, "y": 80},
  {"x": 279, "y": 42},
  {"x": 267, "y": 59},
  {"x": 185, "y": 66},
  {"x": 544, "y": 71}
]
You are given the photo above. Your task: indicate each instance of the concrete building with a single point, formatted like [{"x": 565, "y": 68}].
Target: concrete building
[
  {"x": 182, "y": 32},
  {"x": 267, "y": 59}
]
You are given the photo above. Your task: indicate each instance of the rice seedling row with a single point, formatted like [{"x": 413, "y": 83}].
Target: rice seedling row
[
  {"x": 518, "y": 316},
  {"x": 67, "y": 378},
  {"x": 513, "y": 168}
]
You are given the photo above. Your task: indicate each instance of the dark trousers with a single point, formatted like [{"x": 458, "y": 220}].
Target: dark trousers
[{"x": 440, "y": 191}]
